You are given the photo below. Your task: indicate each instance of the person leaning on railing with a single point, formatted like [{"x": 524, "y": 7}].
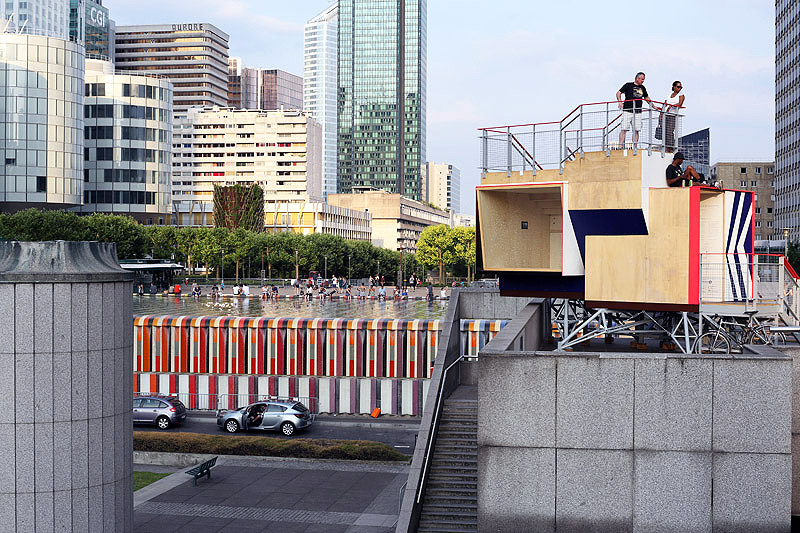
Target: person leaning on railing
[
  {"x": 679, "y": 178},
  {"x": 669, "y": 115},
  {"x": 631, "y": 106}
]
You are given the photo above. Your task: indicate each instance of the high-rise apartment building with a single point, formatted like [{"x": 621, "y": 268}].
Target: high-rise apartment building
[
  {"x": 194, "y": 57},
  {"x": 37, "y": 17},
  {"x": 787, "y": 120},
  {"x": 242, "y": 85},
  {"x": 442, "y": 186},
  {"x": 381, "y": 95},
  {"x": 320, "y": 56},
  {"x": 278, "y": 88},
  {"x": 278, "y": 150},
  {"x": 41, "y": 120},
  {"x": 758, "y": 177},
  {"x": 127, "y": 144},
  {"x": 89, "y": 23}
]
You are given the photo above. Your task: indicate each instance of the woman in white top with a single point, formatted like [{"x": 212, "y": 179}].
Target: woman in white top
[{"x": 671, "y": 108}]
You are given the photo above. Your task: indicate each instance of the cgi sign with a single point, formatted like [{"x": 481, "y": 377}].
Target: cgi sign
[{"x": 96, "y": 15}]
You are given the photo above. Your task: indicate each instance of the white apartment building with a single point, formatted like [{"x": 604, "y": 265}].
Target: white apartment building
[
  {"x": 194, "y": 57},
  {"x": 441, "y": 186},
  {"x": 320, "y": 61},
  {"x": 278, "y": 150}
]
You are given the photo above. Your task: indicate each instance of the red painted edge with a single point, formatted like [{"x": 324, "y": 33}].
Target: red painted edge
[{"x": 694, "y": 246}]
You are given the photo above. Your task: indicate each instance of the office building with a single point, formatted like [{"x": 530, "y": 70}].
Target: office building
[
  {"x": 41, "y": 117},
  {"x": 397, "y": 221},
  {"x": 381, "y": 95},
  {"x": 758, "y": 177},
  {"x": 242, "y": 85},
  {"x": 279, "y": 89},
  {"x": 37, "y": 17},
  {"x": 320, "y": 56},
  {"x": 89, "y": 23},
  {"x": 442, "y": 186},
  {"x": 317, "y": 217},
  {"x": 787, "y": 120},
  {"x": 696, "y": 148},
  {"x": 278, "y": 150},
  {"x": 127, "y": 144},
  {"x": 194, "y": 57}
]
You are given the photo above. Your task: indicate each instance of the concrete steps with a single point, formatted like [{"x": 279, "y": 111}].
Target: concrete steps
[{"x": 451, "y": 494}]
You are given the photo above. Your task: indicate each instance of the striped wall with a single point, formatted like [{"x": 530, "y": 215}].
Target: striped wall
[
  {"x": 340, "y": 395},
  {"x": 342, "y": 365}
]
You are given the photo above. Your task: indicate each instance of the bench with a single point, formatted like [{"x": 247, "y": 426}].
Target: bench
[{"x": 203, "y": 469}]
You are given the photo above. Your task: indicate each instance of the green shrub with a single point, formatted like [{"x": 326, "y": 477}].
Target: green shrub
[{"x": 364, "y": 450}]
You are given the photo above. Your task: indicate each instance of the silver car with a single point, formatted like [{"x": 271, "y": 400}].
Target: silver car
[
  {"x": 163, "y": 411},
  {"x": 285, "y": 416}
]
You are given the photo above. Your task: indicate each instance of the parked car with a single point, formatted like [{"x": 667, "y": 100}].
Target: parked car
[
  {"x": 163, "y": 411},
  {"x": 285, "y": 416}
]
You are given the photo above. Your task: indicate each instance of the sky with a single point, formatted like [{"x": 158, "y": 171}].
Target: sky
[{"x": 523, "y": 61}]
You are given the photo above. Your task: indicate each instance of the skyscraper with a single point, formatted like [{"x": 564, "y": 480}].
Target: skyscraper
[
  {"x": 381, "y": 95},
  {"x": 787, "y": 121},
  {"x": 37, "y": 17},
  {"x": 89, "y": 23},
  {"x": 319, "y": 85},
  {"x": 242, "y": 85},
  {"x": 442, "y": 186},
  {"x": 193, "y": 56},
  {"x": 279, "y": 88}
]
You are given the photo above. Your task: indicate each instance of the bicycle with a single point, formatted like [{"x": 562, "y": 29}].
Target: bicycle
[{"x": 733, "y": 333}]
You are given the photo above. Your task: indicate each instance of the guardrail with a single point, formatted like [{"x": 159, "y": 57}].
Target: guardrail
[{"x": 591, "y": 127}]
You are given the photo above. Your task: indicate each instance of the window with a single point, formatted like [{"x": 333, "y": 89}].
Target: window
[
  {"x": 770, "y": 170},
  {"x": 758, "y": 170},
  {"x": 743, "y": 170},
  {"x": 758, "y": 223},
  {"x": 743, "y": 183},
  {"x": 769, "y": 210},
  {"x": 753, "y": 183},
  {"x": 272, "y": 408},
  {"x": 772, "y": 184},
  {"x": 758, "y": 210},
  {"x": 769, "y": 223},
  {"x": 758, "y": 236},
  {"x": 41, "y": 183}
]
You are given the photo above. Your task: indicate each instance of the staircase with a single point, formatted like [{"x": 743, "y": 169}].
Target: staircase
[{"x": 451, "y": 496}]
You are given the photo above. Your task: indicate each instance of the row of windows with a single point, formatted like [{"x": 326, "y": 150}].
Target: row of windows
[
  {"x": 126, "y": 154},
  {"x": 119, "y": 197},
  {"x": 129, "y": 175},
  {"x": 128, "y": 133},
  {"x": 128, "y": 111}
]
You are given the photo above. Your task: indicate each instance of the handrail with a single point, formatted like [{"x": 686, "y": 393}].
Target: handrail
[{"x": 432, "y": 434}]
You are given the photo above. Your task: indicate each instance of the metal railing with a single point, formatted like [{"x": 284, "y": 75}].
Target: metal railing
[
  {"x": 764, "y": 282},
  {"x": 592, "y": 127}
]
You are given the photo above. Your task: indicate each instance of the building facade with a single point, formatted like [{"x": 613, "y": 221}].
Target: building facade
[
  {"x": 37, "y": 17},
  {"x": 317, "y": 217},
  {"x": 89, "y": 23},
  {"x": 278, "y": 150},
  {"x": 127, "y": 144},
  {"x": 397, "y": 221},
  {"x": 242, "y": 85},
  {"x": 278, "y": 88},
  {"x": 381, "y": 95},
  {"x": 442, "y": 186},
  {"x": 787, "y": 121},
  {"x": 194, "y": 57},
  {"x": 696, "y": 147},
  {"x": 41, "y": 110},
  {"x": 320, "y": 56},
  {"x": 758, "y": 177}
]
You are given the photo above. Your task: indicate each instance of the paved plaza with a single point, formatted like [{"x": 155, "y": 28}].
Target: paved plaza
[{"x": 270, "y": 494}]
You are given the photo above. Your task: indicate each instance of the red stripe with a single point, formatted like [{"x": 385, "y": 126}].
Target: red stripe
[
  {"x": 694, "y": 246},
  {"x": 192, "y": 391}
]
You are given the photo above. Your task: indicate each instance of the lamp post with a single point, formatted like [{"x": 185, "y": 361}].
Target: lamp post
[
  {"x": 326, "y": 267},
  {"x": 296, "y": 265},
  {"x": 349, "y": 271},
  {"x": 379, "y": 268},
  {"x": 269, "y": 265},
  {"x": 222, "y": 265},
  {"x": 786, "y": 242}
]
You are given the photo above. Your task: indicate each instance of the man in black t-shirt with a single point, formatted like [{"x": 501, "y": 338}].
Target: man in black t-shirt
[
  {"x": 634, "y": 92},
  {"x": 678, "y": 178}
]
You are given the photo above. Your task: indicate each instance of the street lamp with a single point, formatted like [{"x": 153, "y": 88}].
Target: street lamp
[
  {"x": 222, "y": 265},
  {"x": 786, "y": 242},
  {"x": 379, "y": 268},
  {"x": 296, "y": 265},
  {"x": 349, "y": 272},
  {"x": 326, "y": 267}
]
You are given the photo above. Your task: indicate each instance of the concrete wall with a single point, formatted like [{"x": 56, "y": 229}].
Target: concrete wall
[{"x": 634, "y": 442}]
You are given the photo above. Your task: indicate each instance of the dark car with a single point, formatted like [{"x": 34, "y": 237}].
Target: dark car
[
  {"x": 284, "y": 416},
  {"x": 163, "y": 411}
]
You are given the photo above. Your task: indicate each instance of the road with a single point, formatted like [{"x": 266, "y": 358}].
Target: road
[{"x": 398, "y": 435}]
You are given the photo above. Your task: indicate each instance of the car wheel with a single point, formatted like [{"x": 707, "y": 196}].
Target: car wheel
[
  {"x": 163, "y": 422},
  {"x": 287, "y": 428},
  {"x": 231, "y": 426}
]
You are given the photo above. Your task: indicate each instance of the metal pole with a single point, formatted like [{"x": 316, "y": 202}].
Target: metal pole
[
  {"x": 296, "y": 266},
  {"x": 326, "y": 267},
  {"x": 485, "y": 154},
  {"x": 510, "y": 155},
  {"x": 349, "y": 271},
  {"x": 533, "y": 147},
  {"x": 580, "y": 125}
]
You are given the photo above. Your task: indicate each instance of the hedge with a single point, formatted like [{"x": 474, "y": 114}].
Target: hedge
[{"x": 363, "y": 450}]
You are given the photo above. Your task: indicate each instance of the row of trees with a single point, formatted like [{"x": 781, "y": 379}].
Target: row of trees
[{"x": 241, "y": 253}]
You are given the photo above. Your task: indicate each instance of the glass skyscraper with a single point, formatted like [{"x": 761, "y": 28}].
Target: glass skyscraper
[
  {"x": 787, "y": 119},
  {"x": 381, "y": 95}
]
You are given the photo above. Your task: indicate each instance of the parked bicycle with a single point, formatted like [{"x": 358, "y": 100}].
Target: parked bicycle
[{"x": 729, "y": 333}]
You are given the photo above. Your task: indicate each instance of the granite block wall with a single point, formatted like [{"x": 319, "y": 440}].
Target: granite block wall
[
  {"x": 65, "y": 387},
  {"x": 635, "y": 442}
]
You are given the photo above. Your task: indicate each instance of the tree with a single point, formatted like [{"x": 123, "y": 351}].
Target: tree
[
  {"x": 436, "y": 248},
  {"x": 239, "y": 207},
  {"x": 464, "y": 247}
]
